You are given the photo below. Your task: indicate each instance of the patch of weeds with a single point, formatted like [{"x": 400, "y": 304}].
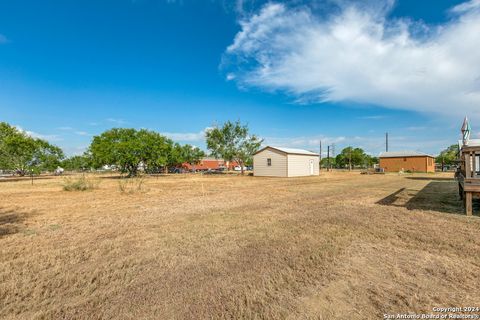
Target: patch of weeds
[
  {"x": 29, "y": 232},
  {"x": 132, "y": 185},
  {"x": 81, "y": 183}
]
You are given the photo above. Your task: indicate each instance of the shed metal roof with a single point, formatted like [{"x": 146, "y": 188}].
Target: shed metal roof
[
  {"x": 403, "y": 154},
  {"x": 470, "y": 143},
  {"x": 290, "y": 151}
]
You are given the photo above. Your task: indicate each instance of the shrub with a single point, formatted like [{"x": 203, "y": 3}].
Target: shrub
[
  {"x": 81, "y": 183},
  {"x": 132, "y": 185}
]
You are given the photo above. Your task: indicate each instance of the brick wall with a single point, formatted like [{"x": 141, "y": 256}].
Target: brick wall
[{"x": 423, "y": 164}]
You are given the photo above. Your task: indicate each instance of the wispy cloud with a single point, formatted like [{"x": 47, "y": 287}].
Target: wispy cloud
[
  {"x": 82, "y": 133},
  {"x": 48, "y": 137},
  {"x": 378, "y": 117},
  {"x": 371, "y": 144},
  {"x": 116, "y": 121},
  {"x": 3, "y": 39},
  {"x": 187, "y": 136},
  {"x": 65, "y": 128},
  {"x": 362, "y": 55},
  {"x": 414, "y": 128}
]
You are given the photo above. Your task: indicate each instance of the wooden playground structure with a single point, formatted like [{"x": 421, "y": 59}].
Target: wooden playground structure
[{"x": 468, "y": 172}]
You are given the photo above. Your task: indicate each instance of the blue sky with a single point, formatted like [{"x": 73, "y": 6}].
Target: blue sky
[{"x": 296, "y": 71}]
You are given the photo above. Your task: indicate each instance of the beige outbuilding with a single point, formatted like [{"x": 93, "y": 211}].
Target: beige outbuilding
[{"x": 285, "y": 162}]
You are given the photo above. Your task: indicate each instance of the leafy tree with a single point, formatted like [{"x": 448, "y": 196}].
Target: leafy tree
[
  {"x": 325, "y": 162},
  {"x": 351, "y": 157},
  {"x": 23, "y": 153},
  {"x": 78, "y": 163},
  {"x": 448, "y": 156},
  {"x": 232, "y": 142},
  {"x": 192, "y": 155},
  {"x": 370, "y": 161},
  {"x": 129, "y": 149}
]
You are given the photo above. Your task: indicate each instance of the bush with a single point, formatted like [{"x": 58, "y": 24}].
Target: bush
[
  {"x": 132, "y": 185},
  {"x": 82, "y": 183}
]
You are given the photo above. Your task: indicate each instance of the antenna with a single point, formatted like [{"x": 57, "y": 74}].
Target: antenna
[{"x": 328, "y": 158}]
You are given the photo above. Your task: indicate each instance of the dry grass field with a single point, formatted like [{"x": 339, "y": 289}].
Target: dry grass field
[{"x": 338, "y": 246}]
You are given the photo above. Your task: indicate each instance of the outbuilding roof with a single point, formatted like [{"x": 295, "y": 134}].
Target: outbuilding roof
[
  {"x": 470, "y": 143},
  {"x": 404, "y": 154},
  {"x": 290, "y": 151}
]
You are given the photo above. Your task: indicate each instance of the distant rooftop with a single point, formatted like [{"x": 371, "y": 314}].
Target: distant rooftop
[
  {"x": 403, "y": 154},
  {"x": 291, "y": 150}
]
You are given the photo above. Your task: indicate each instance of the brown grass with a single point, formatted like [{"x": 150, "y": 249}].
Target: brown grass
[{"x": 338, "y": 246}]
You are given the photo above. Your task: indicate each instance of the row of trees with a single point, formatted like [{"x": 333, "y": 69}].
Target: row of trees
[
  {"x": 350, "y": 158},
  {"x": 131, "y": 149},
  {"x": 126, "y": 149}
]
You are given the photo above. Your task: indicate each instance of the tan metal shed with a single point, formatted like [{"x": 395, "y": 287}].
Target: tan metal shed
[{"x": 285, "y": 162}]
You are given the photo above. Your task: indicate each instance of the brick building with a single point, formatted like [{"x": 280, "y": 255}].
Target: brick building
[{"x": 395, "y": 161}]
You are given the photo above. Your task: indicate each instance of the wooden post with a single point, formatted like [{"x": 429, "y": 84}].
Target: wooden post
[
  {"x": 468, "y": 166},
  {"x": 468, "y": 203},
  {"x": 474, "y": 165}
]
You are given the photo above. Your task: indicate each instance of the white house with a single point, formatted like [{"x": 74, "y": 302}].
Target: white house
[{"x": 285, "y": 162}]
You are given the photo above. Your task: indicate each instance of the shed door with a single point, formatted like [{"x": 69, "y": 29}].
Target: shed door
[{"x": 311, "y": 167}]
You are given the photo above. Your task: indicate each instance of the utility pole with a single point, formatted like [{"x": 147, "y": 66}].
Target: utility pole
[
  {"x": 328, "y": 158},
  {"x": 320, "y": 164},
  {"x": 386, "y": 141},
  {"x": 350, "y": 160}
]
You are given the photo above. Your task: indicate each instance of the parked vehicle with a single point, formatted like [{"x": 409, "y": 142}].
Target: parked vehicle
[
  {"x": 59, "y": 171},
  {"x": 177, "y": 170}
]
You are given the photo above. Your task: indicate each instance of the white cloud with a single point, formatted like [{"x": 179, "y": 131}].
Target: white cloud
[
  {"x": 187, "y": 136},
  {"x": 48, "y": 137},
  {"x": 466, "y": 6},
  {"x": 378, "y": 117},
  {"x": 363, "y": 56},
  {"x": 65, "y": 128},
  {"x": 115, "y": 121},
  {"x": 82, "y": 133},
  {"x": 3, "y": 39}
]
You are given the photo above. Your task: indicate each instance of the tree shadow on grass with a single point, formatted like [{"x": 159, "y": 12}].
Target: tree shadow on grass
[
  {"x": 438, "y": 195},
  {"x": 11, "y": 221},
  {"x": 26, "y": 178}
]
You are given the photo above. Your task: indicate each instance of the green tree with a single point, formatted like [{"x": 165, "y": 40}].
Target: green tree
[
  {"x": 129, "y": 149},
  {"x": 354, "y": 157},
  {"x": 232, "y": 142},
  {"x": 23, "y": 153},
  {"x": 325, "y": 162},
  {"x": 77, "y": 163},
  {"x": 448, "y": 156},
  {"x": 192, "y": 155},
  {"x": 370, "y": 161}
]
